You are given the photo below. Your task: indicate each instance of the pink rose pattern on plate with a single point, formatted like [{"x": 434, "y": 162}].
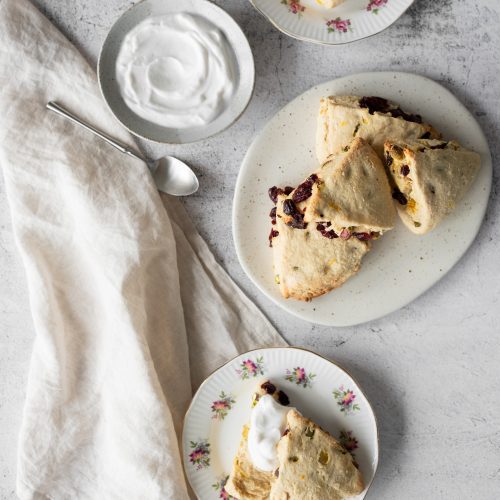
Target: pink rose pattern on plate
[
  {"x": 219, "y": 486},
  {"x": 338, "y": 25},
  {"x": 294, "y": 6},
  {"x": 345, "y": 399},
  {"x": 375, "y": 5},
  {"x": 200, "y": 456},
  {"x": 299, "y": 376},
  {"x": 221, "y": 406},
  {"x": 250, "y": 368},
  {"x": 350, "y": 443}
]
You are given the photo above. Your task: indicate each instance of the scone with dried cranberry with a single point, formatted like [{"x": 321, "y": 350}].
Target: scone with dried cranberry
[
  {"x": 429, "y": 178},
  {"x": 313, "y": 465},
  {"x": 375, "y": 119},
  {"x": 309, "y": 258},
  {"x": 352, "y": 192}
]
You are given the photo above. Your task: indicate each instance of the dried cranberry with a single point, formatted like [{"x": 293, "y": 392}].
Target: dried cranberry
[
  {"x": 345, "y": 234},
  {"x": 273, "y": 193},
  {"x": 289, "y": 207},
  {"x": 283, "y": 398},
  {"x": 272, "y": 214},
  {"x": 362, "y": 236},
  {"x": 327, "y": 234},
  {"x": 388, "y": 159},
  {"x": 399, "y": 197},
  {"x": 374, "y": 104},
  {"x": 304, "y": 190},
  {"x": 297, "y": 221},
  {"x": 272, "y": 235},
  {"x": 405, "y": 170},
  {"x": 277, "y": 473},
  {"x": 399, "y": 113},
  {"x": 268, "y": 387},
  {"x": 288, "y": 190}
]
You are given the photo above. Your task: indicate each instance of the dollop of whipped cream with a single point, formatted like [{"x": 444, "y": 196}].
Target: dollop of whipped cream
[
  {"x": 267, "y": 425},
  {"x": 176, "y": 70}
]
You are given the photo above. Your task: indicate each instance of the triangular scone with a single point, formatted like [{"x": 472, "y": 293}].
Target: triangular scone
[
  {"x": 313, "y": 465},
  {"x": 429, "y": 177},
  {"x": 247, "y": 482},
  {"x": 310, "y": 262},
  {"x": 342, "y": 118},
  {"x": 352, "y": 192}
]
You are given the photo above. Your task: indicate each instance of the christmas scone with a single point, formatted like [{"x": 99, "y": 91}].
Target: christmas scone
[
  {"x": 429, "y": 177},
  {"x": 313, "y": 465},
  {"x": 342, "y": 118},
  {"x": 247, "y": 481},
  {"x": 352, "y": 193},
  {"x": 309, "y": 258}
]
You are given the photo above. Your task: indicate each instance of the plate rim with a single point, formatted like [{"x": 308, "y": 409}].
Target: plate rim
[
  {"x": 248, "y": 98},
  {"x": 238, "y": 188},
  {"x": 303, "y": 38},
  {"x": 212, "y": 374}
]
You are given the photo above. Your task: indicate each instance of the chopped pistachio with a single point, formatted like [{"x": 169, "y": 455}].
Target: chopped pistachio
[
  {"x": 277, "y": 279},
  {"x": 323, "y": 457},
  {"x": 310, "y": 432}
]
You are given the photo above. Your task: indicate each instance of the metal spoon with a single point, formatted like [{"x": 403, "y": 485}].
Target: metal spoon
[{"x": 171, "y": 175}]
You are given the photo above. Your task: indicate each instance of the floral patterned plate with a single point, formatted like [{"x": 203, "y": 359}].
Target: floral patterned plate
[
  {"x": 317, "y": 387},
  {"x": 352, "y": 20}
]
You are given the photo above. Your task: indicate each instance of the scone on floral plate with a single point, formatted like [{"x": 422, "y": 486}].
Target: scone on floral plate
[
  {"x": 284, "y": 455},
  {"x": 331, "y": 22},
  {"x": 280, "y": 423},
  {"x": 430, "y": 177}
]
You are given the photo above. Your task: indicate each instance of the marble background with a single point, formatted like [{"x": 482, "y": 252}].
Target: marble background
[{"x": 432, "y": 369}]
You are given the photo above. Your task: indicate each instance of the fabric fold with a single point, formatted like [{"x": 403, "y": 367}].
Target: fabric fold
[{"x": 130, "y": 309}]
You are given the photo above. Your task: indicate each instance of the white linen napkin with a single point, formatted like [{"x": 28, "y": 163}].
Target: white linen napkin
[{"x": 130, "y": 309}]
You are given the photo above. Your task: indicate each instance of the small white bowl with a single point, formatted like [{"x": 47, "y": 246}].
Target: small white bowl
[{"x": 244, "y": 63}]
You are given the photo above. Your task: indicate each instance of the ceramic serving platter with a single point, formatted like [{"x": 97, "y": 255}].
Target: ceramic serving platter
[
  {"x": 401, "y": 265},
  {"x": 318, "y": 388},
  {"x": 352, "y": 20},
  {"x": 243, "y": 64}
]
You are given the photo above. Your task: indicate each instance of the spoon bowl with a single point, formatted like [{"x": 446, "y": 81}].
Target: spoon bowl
[{"x": 174, "y": 177}]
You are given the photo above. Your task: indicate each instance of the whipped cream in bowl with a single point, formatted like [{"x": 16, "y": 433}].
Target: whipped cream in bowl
[{"x": 176, "y": 72}]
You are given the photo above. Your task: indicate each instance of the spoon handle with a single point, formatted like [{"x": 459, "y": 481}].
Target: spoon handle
[{"x": 57, "y": 108}]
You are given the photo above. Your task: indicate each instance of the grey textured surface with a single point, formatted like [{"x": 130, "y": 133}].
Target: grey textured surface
[{"x": 431, "y": 369}]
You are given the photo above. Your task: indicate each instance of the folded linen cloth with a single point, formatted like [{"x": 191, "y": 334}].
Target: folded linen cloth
[{"x": 130, "y": 309}]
